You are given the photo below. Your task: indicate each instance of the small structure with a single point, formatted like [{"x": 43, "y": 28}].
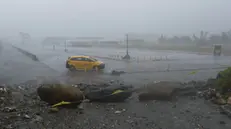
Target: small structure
[
  {"x": 79, "y": 43},
  {"x": 217, "y": 49}
]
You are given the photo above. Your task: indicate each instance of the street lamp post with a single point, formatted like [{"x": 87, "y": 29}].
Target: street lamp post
[
  {"x": 127, "y": 56},
  {"x": 65, "y": 46}
]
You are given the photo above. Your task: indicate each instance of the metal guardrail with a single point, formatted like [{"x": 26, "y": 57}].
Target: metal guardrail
[{"x": 32, "y": 56}]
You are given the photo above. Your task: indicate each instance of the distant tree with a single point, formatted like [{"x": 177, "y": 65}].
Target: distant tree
[
  {"x": 162, "y": 39},
  {"x": 215, "y": 39},
  {"x": 195, "y": 39},
  {"x": 186, "y": 39},
  {"x": 174, "y": 40},
  {"x": 202, "y": 39},
  {"x": 224, "y": 37}
]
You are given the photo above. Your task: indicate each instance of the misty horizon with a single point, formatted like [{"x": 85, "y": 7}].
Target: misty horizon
[{"x": 113, "y": 18}]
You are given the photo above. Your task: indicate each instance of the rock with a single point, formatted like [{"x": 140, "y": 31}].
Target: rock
[
  {"x": 200, "y": 94},
  {"x": 174, "y": 106},
  {"x": 111, "y": 81},
  {"x": 160, "y": 91},
  {"x": 229, "y": 100},
  {"x": 222, "y": 122},
  {"x": 9, "y": 127},
  {"x": 218, "y": 95},
  {"x": 105, "y": 94},
  {"x": 219, "y": 101},
  {"x": 225, "y": 109},
  {"x": 27, "y": 116},
  {"x": 3, "y": 89},
  {"x": 118, "y": 112},
  {"x": 186, "y": 91},
  {"x": 56, "y": 93},
  {"x": 9, "y": 109},
  {"x": 80, "y": 106},
  {"x": 210, "y": 93},
  {"x": 52, "y": 110},
  {"x": 2, "y": 99},
  {"x": 17, "y": 96},
  {"x": 37, "y": 118}
]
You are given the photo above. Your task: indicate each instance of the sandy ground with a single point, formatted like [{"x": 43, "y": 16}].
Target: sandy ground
[{"x": 185, "y": 113}]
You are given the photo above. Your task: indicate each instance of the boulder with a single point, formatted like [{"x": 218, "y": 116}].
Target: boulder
[
  {"x": 219, "y": 101},
  {"x": 226, "y": 109},
  {"x": 55, "y": 93},
  {"x": 185, "y": 91},
  {"x": 160, "y": 91},
  {"x": 229, "y": 100},
  {"x": 210, "y": 93}
]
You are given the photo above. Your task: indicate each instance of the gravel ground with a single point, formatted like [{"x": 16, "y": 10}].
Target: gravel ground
[{"x": 189, "y": 112}]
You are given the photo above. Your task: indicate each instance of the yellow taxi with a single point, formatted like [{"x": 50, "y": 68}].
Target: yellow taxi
[{"x": 84, "y": 63}]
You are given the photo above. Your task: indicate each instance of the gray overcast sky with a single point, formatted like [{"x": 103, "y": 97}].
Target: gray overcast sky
[{"x": 100, "y": 17}]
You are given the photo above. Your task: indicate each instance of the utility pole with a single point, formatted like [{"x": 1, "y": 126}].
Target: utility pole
[
  {"x": 127, "y": 56},
  {"x": 127, "y": 43},
  {"x": 65, "y": 46}
]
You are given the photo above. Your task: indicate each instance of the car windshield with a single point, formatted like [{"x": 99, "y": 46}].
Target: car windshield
[{"x": 93, "y": 59}]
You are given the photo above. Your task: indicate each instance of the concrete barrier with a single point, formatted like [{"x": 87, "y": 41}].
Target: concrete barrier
[{"x": 30, "y": 55}]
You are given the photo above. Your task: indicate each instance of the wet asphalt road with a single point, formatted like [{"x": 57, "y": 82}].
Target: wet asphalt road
[
  {"x": 138, "y": 71},
  {"x": 16, "y": 67},
  {"x": 52, "y": 64}
]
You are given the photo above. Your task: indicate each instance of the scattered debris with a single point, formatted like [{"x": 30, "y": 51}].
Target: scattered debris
[
  {"x": 229, "y": 100},
  {"x": 30, "y": 109},
  {"x": 117, "y": 73},
  {"x": 219, "y": 101},
  {"x": 116, "y": 93},
  {"x": 226, "y": 109},
  {"x": 53, "y": 109},
  {"x": 3, "y": 89},
  {"x": 27, "y": 116},
  {"x": 222, "y": 122},
  {"x": 9, "y": 109},
  {"x": 37, "y": 118},
  {"x": 118, "y": 112}
]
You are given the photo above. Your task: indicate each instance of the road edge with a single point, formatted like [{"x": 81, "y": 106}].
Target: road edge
[{"x": 28, "y": 54}]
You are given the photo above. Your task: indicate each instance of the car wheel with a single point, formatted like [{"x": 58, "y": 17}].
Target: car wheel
[
  {"x": 95, "y": 68},
  {"x": 72, "y": 68}
]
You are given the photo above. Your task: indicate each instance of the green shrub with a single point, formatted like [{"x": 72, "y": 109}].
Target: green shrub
[{"x": 223, "y": 83}]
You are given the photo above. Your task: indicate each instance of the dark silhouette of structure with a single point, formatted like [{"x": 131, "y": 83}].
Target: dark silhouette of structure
[{"x": 127, "y": 56}]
